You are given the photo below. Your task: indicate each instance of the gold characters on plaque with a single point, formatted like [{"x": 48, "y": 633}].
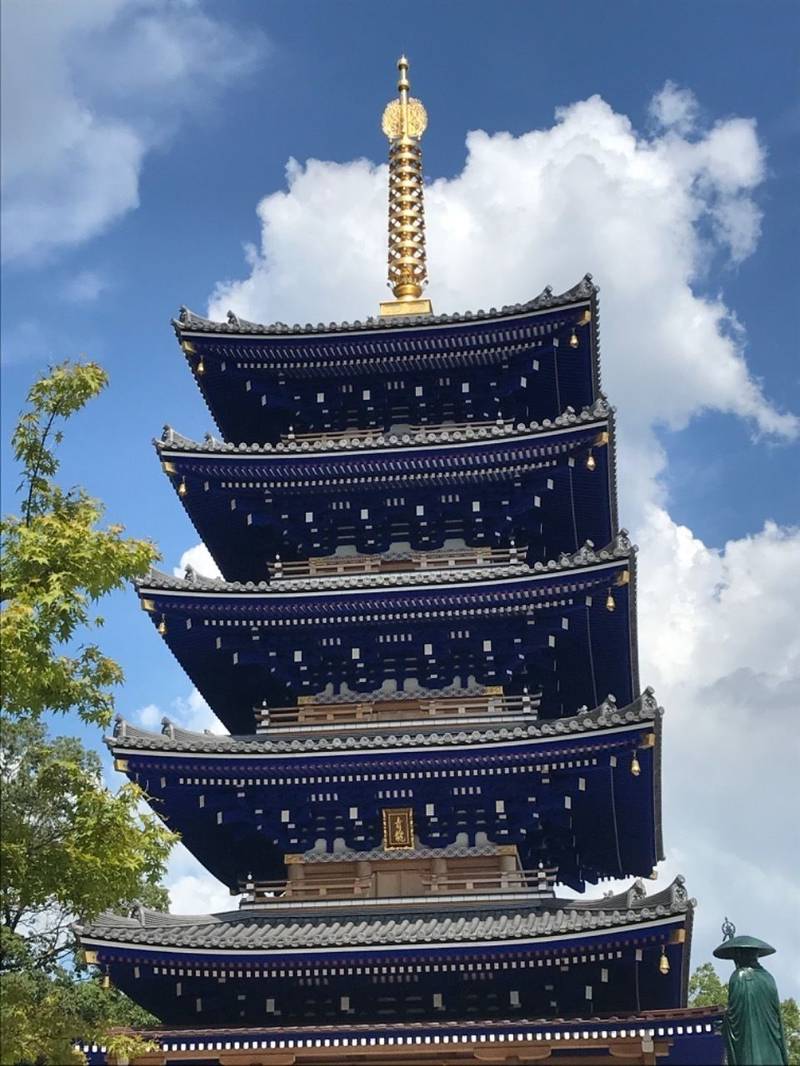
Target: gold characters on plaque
[{"x": 398, "y": 828}]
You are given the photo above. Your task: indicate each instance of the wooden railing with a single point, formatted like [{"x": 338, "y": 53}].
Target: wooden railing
[
  {"x": 443, "y": 559},
  {"x": 445, "y": 707},
  {"x": 345, "y": 887},
  {"x": 504, "y": 881},
  {"x": 356, "y": 433}
]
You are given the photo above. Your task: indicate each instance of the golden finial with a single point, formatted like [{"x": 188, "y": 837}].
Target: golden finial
[{"x": 404, "y": 121}]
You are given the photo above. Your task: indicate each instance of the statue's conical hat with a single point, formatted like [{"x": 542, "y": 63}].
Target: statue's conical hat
[{"x": 728, "y": 947}]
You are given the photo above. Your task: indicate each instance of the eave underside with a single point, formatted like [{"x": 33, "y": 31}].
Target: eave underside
[
  {"x": 691, "y": 1036},
  {"x": 260, "y": 380}
]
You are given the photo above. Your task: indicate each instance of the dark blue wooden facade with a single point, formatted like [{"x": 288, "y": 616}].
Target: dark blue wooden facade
[{"x": 407, "y": 515}]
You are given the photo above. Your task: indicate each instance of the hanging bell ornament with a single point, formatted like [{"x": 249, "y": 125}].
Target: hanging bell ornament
[
  {"x": 105, "y": 982},
  {"x": 201, "y": 366},
  {"x": 162, "y": 626},
  {"x": 573, "y": 340},
  {"x": 591, "y": 462},
  {"x": 635, "y": 767},
  {"x": 663, "y": 962},
  {"x": 182, "y": 490},
  {"x": 611, "y": 603}
]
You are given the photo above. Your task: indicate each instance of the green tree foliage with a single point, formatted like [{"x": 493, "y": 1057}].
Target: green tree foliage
[
  {"x": 57, "y": 563},
  {"x": 70, "y": 847},
  {"x": 43, "y": 1012},
  {"x": 707, "y": 989}
]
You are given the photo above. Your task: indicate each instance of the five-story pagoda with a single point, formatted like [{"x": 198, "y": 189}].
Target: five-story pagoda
[{"x": 424, "y": 648}]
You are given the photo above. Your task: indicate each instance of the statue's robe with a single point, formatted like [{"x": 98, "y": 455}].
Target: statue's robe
[{"x": 753, "y": 1024}]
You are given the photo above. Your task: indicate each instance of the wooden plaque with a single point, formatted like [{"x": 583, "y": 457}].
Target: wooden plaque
[{"x": 398, "y": 828}]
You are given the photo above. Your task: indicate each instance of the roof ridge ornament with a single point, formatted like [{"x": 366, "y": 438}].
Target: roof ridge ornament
[{"x": 404, "y": 121}]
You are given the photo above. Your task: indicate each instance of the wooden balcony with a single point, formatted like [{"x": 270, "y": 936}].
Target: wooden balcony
[
  {"x": 388, "y": 436},
  {"x": 417, "y": 879},
  {"x": 447, "y": 709},
  {"x": 443, "y": 559}
]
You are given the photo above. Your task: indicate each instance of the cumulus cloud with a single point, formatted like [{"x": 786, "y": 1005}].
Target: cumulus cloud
[
  {"x": 720, "y": 643},
  {"x": 190, "y": 712},
  {"x": 647, "y": 213},
  {"x": 674, "y": 108},
  {"x": 200, "y": 560},
  {"x": 88, "y": 90},
  {"x": 192, "y": 890}
]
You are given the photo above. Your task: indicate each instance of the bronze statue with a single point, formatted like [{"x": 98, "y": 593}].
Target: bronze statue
[{"x": 753, "y": 1026}]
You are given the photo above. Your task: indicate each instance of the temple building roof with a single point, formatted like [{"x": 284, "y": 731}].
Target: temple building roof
[
  {"x": 431, "y": 437},
  {"x": 189, "y": 322},
  {"x": 565, "y": 627},
  {"x": 242, "y": 931},
  {"x": 529, "y": 362},
  {"x": 547, "y": 488},
  {"x": 674, "y": 1037},
  {"x": 585, "y": 557},
  {"x": 173, "y": 738},
  {"x": 581, "y": 794}
]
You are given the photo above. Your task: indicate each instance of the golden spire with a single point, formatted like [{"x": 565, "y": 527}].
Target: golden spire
[{"x": 404, "y": 122}]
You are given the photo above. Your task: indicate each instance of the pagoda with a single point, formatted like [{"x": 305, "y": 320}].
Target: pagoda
[{"x": 424, "y": 647}]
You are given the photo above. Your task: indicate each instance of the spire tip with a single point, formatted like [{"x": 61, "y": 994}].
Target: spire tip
[{"x": 404, "y": 121}]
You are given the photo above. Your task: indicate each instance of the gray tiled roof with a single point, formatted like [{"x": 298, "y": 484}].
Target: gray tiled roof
[
  {"x": 619, "y": 548},
  {"x": 596, "y": 412},
  {"x": 246, "y": 931},
  {"x": 189, "y": 322},
  {"x": 173, "y": 738}
]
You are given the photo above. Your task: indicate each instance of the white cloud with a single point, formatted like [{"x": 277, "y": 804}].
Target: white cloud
[
  {"x": 190, "y": 712},
  {"x": 192, "y": 890},
  {"x": 719, "y": 641},
  {"x": 88, "y": 90},
  {"x": 149, "y": 716},
  {"x": 200, "y": 560},
  {"x": 29, "y": 339},
  {"x": 647, "y": 214},
  {"x": 84, "y": 288},
  {"x": 674, "y": 108}
]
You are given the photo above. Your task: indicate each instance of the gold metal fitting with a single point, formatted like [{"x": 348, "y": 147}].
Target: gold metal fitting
[
  {"x": 201, "y": 366},
  {"x": 591, "y": 462},
  {"x": 611, "y": 603},
  {"x": 162, "y": 626},
  {"x": 404, "y": 121},
  {"x": 182, "y": 490},
  {"x": 663, "y": 962},
  {"x": 635, "y": 767},
  {"x": 573, "y": 340}
]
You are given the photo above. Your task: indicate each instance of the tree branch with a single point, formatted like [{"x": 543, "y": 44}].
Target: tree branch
[{"x": 37, "y": 465}]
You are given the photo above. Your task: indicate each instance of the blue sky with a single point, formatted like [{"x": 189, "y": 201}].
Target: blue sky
[{"x": 141, "y": 135}]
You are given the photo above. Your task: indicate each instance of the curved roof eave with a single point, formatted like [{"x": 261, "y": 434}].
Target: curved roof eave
[{"x": 189, "y": 323}]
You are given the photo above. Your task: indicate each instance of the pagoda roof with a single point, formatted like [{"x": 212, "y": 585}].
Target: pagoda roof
[
  {"x": 586, "y": 557},
  {"x": 692, "y": 1032},
  {"x": 488, "y": 486},
  {"x": 249, "y": 933},
  {"x": 441, "y": 437},
  {"x": 607, "y": 717},
  {"x": 242, "y": 642},
  {"x": 569, "y": 796},
  {"x": 189, "y": 323},
  {"x": 262, "y": 382}
]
